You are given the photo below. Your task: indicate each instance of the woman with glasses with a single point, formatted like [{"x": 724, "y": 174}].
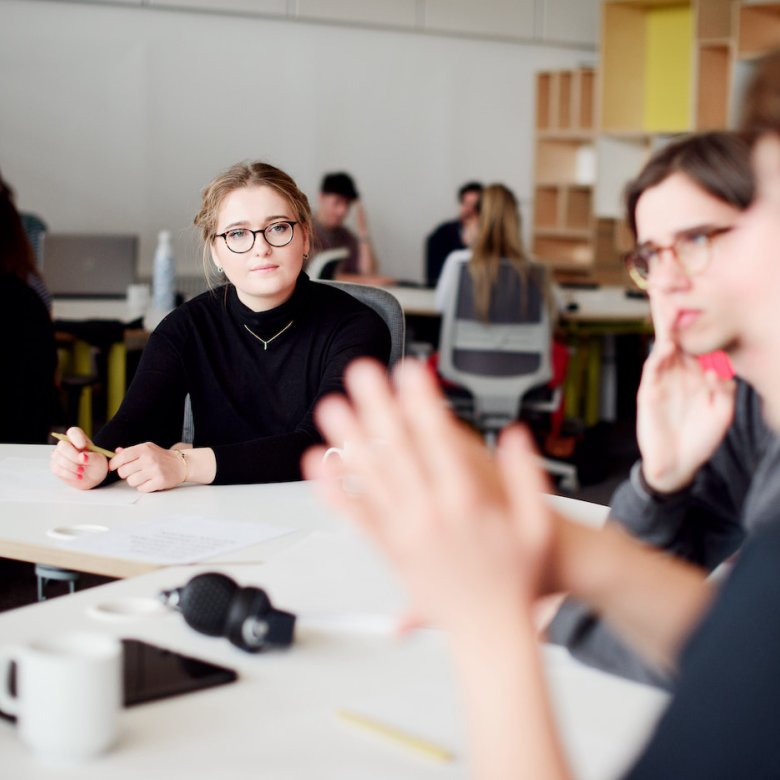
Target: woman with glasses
[{"x": 254, "y": 354}]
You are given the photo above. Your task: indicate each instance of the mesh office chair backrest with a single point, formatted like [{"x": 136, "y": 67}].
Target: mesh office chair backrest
[
  {"x": 498, "y": 361},
  {"x": 386, "y": 305}
]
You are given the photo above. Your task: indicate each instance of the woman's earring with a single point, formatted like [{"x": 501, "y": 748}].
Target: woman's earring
[
  {"x": 305, "y": 256},
  {"x": 219, "y": 269}
]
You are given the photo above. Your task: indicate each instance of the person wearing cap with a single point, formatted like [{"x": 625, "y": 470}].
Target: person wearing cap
[{"x": 337, "y": 195}]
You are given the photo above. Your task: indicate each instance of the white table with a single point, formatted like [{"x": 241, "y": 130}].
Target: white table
[
  {"x": 278, "y": 721},
  {"x": 606, "y": 303},
  {"x": 115, "y": 309},
  {"x": 25, "y": 525}
]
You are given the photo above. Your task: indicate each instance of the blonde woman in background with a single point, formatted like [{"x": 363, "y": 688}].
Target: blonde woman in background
[{"x": 498, "y": 238}]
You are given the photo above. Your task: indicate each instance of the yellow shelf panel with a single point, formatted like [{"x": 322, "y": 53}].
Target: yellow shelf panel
[
  {"x": 647, "y": 63},
  {"x": 668, "y": 67}
]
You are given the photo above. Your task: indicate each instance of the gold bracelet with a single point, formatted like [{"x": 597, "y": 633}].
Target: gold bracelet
[{"x": 180, "y": 453}]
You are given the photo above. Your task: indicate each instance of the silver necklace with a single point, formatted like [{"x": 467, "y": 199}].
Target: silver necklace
[{"x": 266, "y": 342}]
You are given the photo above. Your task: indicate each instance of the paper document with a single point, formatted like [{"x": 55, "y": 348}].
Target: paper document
[
  {"x": 176, "y": 539},
  {"x": 29, "y": 480}
]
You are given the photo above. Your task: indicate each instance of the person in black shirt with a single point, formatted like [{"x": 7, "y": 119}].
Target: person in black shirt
[
  {"x": 451, "y": 236},
  {"x": 27, "y": 350},
  {"x": 29, "y": 358},
  {"x": 254, "y": 354},
  {"x": 17, "y": 253}
]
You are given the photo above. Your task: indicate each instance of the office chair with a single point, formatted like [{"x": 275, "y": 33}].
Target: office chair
[
  {"x": 386, "y": 305},
  {"x": 325, "y": 264},
  {"x": 382, "y": 302},
  {"x": 504, "y": 364}
]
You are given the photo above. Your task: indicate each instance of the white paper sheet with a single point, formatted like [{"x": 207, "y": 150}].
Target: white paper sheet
[
  {"x": 29, "y": 480},
  {"x": 176, "y": 539}
]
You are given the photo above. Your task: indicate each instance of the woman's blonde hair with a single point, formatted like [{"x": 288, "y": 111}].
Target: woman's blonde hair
[
  {"x": 498, "y": 237},
  {"x": 254, "y": 174}
]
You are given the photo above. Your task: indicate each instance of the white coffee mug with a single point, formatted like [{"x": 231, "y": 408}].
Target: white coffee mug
[{"x": 68, "y": 694}]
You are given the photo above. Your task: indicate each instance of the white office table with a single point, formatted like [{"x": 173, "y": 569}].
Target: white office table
[
  {"x": 117, "y": 310},
  {"x": 84, "y": 309},
  {"x": 279, "y": 720},
  {"x": 24, "y": 526},
  {"x": 604, "y": 304},
  {"x": 420, "y": 301}
]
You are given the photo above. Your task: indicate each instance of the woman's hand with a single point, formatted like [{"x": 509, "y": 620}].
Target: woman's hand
[
  {"x": 78, "y": 468},
  {"x": 149, "y": 467}
]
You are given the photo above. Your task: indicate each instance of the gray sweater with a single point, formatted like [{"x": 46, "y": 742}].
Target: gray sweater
[{"x": 734, "y": 493}]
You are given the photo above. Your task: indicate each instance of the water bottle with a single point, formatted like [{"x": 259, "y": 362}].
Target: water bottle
[{"x": 163, "y": 282}]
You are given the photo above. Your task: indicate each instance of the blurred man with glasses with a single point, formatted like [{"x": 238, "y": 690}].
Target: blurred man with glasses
[{"x": 704, "y": 478}]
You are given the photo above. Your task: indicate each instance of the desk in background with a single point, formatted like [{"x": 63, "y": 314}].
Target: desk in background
[
  {"x": 607, "y": 303},
  {"x": 70, "y": 312},
  {"x": 590, "y": 321}
]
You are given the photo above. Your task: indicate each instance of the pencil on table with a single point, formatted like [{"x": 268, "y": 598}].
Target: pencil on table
[
  {"x": 91, "y": 447},
  {"x": 397, "y": 735}
]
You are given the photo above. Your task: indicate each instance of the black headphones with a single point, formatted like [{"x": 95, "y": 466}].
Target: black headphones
[{"x": 215, "y": 605}]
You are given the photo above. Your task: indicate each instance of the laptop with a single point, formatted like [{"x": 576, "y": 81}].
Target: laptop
[{"x": 88, "y": 265}]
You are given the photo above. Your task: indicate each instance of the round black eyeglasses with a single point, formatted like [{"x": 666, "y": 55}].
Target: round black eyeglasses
[{"x": 241, "y": 240}]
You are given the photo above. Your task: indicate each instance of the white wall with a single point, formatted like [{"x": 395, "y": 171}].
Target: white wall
[{"x": 114, "y": 117}]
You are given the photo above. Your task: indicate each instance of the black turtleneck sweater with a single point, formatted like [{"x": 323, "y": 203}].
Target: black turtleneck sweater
[{"x": 252, "y": 406}]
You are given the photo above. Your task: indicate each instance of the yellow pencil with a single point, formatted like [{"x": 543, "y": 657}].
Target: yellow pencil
[
  {"x": 91, "y": 447},
  {"x": 397, "y": 735}
]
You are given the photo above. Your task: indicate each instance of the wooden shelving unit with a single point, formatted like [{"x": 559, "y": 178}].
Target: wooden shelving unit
[
  {"x": 759, "y": 29},
  {"x": 666, "y": 67},
  {"x": 565, "y": 168},
  {"x": 715, "y": 22}
]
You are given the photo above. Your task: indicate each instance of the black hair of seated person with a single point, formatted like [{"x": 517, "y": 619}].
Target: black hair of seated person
[
  {"x": 17, "y": 256},
  {"x": 339, "y": 184},
  {"x": 29, "y": 359}
]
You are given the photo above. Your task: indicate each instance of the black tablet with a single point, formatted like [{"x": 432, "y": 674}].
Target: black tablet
[{"x": 152, "y": 673}]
